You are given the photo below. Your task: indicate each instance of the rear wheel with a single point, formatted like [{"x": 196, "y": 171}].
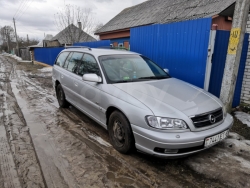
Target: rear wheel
[
  {"x": 63, "y": 103},
  {"x": 120, "y": 133}
]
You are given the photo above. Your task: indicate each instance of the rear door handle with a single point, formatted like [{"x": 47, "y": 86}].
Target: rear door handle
[{"x": 62, "y": 76}]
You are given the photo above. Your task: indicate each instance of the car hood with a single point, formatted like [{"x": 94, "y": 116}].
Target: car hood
[{"x": 171, "y": 96}]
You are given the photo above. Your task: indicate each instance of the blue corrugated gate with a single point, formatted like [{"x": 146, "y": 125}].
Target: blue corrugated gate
[
  {"x": 47, "y": 55},
  {"x": 95, "y": 44},
  {"x": 218, "y": 65},
  {"x": 181, "y": 47}
]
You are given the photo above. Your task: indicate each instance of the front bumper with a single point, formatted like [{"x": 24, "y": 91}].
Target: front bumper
[{"x": 186, "y": 142}]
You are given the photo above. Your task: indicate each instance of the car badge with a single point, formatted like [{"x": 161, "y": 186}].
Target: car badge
[{"x": 212, "y": 119}]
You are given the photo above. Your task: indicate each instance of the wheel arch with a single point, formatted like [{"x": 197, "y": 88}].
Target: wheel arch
[
  {"x": 56, "y": 84},
  {"x": 110, "y": 110}
]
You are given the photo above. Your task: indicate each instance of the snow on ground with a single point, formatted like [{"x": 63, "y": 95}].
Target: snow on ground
[
  {"x": 13, "y": 56},
  {"x": 243, "y": 117},
  {"x": 228, "y": 162},
  {"x": 46, "y": 69}
]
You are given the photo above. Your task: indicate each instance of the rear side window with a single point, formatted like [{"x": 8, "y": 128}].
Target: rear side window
[
  {"x": 88, "y": 65},
  {"x": 61, "y": 59},
  {"x": 72, "y": 61}
]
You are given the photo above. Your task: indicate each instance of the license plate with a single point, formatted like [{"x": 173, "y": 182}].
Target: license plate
[{"x": 216, "y": 138}]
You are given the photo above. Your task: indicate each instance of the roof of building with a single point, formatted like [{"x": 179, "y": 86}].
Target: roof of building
[
  {"x": 165, "y": 11},
  {"x": 47, "y": 37},
  {"x": 72, "y": 34}
]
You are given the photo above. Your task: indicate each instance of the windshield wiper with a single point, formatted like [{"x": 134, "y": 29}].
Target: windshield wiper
[
  {"x": 122, "y": 81},
  {"x": 154, "y": 77}
]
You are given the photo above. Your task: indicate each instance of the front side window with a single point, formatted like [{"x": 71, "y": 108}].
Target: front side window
[
  {"x": 88, "y": 65},
  {"x": 130, "y": 68},
  {"x": 61, "y": 59},
  {"x": 72, "y": 62}
]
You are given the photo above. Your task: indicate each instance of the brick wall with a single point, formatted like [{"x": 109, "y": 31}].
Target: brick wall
[{"x": 245, "y": 93}]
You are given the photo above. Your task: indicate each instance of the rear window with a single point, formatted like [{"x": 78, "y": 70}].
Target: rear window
[
  {"x": 61, "y": 59},
  {"x": 72, "y": 61}
]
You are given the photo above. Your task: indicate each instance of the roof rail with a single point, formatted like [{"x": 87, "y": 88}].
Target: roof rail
[
  {"x": 113, "y": 48},
  {"x": 66, "y": 47}
]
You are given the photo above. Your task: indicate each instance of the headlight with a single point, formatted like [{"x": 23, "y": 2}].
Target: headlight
[{"x": 166, "y": 123}]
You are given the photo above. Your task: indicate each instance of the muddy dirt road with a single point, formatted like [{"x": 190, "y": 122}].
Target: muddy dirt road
[{"x": 42, "y": 145}]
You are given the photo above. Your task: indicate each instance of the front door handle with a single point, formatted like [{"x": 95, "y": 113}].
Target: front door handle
[
  {"x": 62, "y": 76},
  {"x": 76, "y": 84}
]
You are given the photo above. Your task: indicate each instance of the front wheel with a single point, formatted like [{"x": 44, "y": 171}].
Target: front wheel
[
  {"x": 120, "y": 133},
  {"x": 63, "y": 103}
]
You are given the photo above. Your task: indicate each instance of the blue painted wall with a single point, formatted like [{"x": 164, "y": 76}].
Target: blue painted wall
[
  {"x": 95, "y": 44},
  {"x": 218, "y": 65},
  {"x": 181, "y": 47},
  {"x": 47, "y": 55}
]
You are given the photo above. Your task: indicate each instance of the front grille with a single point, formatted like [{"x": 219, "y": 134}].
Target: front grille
[{"x": 204, "y": 121}]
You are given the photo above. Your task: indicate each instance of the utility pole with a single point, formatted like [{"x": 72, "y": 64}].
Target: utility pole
[
  {"x": 7, "y": 38},
  {"x": 234, "y": 52},
  {"x": 28, "y": 41},
  {"x": 16, "y": 37}
]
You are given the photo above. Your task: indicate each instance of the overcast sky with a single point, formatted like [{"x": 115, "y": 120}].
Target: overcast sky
[{"x": 36, "y": 17}]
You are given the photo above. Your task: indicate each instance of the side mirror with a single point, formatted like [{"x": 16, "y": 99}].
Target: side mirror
[
  {"x": 166, "y": 70},
  {"x": 92, "y": 78}
]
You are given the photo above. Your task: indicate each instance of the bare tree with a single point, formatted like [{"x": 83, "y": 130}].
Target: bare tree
[
  {"x": 98, "y": 26},
  {"x": 7, "y": 36},
  {"x": 71, "y": 16},
  {"x": 24, "y": 42}
]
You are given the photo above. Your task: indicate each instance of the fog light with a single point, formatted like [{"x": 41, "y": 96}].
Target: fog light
[{"x": 171, "y": 151}]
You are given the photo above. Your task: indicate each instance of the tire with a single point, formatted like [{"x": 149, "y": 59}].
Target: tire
[
  {"x": 63, "y": 103},
  {"x": 120, "y": 133}
]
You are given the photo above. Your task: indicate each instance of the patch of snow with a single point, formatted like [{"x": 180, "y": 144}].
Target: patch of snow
[
  {"x": 17, "y": 58},
  {"x": 13, "y": 56},
  {"x": 52, "y": 100},
  {"x": 243, "y": 117},
  {"x": 100, "y": 140},
  {"x": 46, "y": 69}
]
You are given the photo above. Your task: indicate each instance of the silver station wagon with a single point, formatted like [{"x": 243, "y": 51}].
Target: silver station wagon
[{"x": 139, "y": 103}]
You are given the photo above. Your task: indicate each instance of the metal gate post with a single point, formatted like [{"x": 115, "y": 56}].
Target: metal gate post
[{"x": 209, "y": 59}]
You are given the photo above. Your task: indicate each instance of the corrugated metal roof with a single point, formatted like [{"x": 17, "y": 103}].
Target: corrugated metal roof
[
  {"x": 72, "y": 34},
  {"x": 165, "y": 11}
]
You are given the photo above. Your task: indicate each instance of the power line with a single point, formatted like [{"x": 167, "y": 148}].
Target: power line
[
  {"x": 28, "y": 5},
  {"x": 22, "y": 7},
  {"x": 19, "y": 7}
]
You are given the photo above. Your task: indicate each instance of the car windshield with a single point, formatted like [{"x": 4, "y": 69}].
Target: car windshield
[{"x": 130, "y": 68}]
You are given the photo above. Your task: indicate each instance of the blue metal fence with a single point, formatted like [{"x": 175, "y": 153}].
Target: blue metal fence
[
  {"x": 95, "y": 44},
  {"x": 218, "y": 65},
  {"x": 181, "y": 47},
  {"x": 47, "y": 55}
]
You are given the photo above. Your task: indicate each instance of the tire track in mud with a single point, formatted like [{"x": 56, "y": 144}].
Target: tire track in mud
[
  {"x": 53, "y": 167},
  {"x": 21, "y": 146}
]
